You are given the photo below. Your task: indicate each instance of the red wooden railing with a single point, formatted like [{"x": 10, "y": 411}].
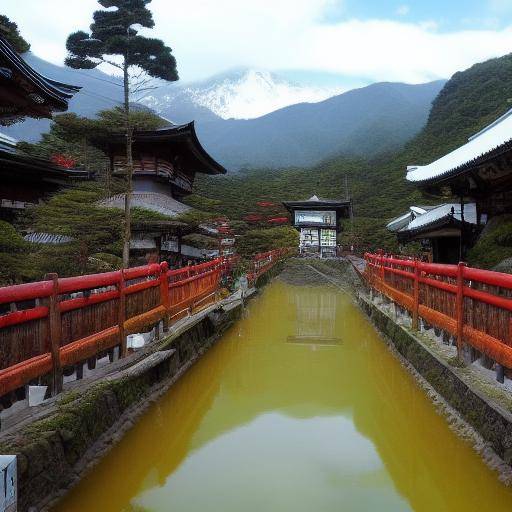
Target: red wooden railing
[
  {"x": 63, "y": 322},
  {"x": 472, "y": 305},
  {"x": 264, "y": 261}
]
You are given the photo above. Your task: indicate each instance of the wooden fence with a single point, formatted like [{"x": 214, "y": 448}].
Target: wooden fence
[
  {"x": 59, "y": 324},
  {"x": 264, "y": 261},
  {"x": 472, "y": 305}
]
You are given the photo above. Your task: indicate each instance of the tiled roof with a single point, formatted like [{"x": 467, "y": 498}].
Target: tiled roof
[
  {"x": 480, "y": 147},
  {"x": 154, "y": 201},
  {"x": 411, "y": 221}
]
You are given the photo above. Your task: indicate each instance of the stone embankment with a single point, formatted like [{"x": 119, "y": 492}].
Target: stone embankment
[
  {"x": 62, "y": 439},
  {"x": 476, "y": 406}
]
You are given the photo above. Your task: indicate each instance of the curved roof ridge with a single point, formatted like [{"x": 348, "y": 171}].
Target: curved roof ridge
[{"x": 492, "y": 140}]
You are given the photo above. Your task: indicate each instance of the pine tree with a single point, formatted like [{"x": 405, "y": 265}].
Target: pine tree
[
  {"x": 9, "y": 31},
  {"x": 114, "y": 40}
]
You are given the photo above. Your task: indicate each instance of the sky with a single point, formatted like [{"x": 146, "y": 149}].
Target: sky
[{"x": 321, "y": 40}]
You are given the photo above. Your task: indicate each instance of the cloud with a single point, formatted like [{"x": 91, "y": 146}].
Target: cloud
[
  {"x": 403, "y": 10},
  {"x": 208, "y": 37},
  {"x": 500, "y": 6}
]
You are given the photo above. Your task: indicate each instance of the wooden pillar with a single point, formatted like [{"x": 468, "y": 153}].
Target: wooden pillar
[
  {"x": 180, "y": 258},
  {"x": 416, "y": 296},
  {"x": 164, "y": 294},
  {"x": 461, "y": 243},
  {"x": 460, "y": 308},
  {"x": 55, "y": 335},
  {"x": 122, "y": 315}
]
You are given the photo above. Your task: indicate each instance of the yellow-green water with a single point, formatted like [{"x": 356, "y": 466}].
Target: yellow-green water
[{"x": 301, "y": 408}]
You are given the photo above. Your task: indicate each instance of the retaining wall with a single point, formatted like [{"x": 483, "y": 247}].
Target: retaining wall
[
  {"x": 490, "y": 416},
  {"x": 55, "y": 452}
]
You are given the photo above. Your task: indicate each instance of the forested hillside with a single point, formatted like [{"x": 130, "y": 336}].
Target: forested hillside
[
  {"x": 469, "y": 101},
  {"x": 367, "y": 121}
]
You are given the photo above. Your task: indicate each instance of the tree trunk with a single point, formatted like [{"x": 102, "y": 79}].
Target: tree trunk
[
  {"x": 85, "y": 152},
  {"x": 129, "y": 171}
]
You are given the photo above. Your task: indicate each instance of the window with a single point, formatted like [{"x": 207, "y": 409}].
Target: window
[
  {"x": 308, "y": 237},
  {"x": 328, "y": 238}
]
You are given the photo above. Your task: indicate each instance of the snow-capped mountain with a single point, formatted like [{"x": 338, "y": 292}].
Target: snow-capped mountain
[
  {"x": 251, "y": 118},
  {"x": 238, "y": 94}
]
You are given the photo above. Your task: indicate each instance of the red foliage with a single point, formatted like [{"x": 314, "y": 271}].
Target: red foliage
[
  {"x": 266, "y": 204},
  {"x": 278, "y": 220},
  {"x": 253, "y": 217},
  {"x": 63, "y": 161}
]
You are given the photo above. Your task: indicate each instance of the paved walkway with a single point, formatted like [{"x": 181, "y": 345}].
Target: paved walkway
[{"x": 358, "y": 263}]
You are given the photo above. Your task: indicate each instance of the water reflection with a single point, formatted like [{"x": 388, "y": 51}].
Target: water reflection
[
  {"x": 316, "y": 318},
  {"x": 263, "y": 424}
]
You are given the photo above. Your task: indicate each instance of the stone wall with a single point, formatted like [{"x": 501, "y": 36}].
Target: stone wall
[
  {"x": 488, "y": 412},
  {"x": 54, "y": 452}
]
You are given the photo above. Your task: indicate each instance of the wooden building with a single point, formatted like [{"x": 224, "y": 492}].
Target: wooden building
[
  {"x": 479, "y": 171},
  {"x": 439, "y": 230},
  {"x": 318, "y": 221},
  {"x": 165, "y": 163},
  {"x": 26, "y": 93}
]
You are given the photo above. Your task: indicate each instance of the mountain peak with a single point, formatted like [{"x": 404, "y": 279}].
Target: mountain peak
[{"x": 240, "y": 93}]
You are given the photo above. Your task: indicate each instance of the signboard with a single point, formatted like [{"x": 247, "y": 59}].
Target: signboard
[{"x": 327, "y": 218}]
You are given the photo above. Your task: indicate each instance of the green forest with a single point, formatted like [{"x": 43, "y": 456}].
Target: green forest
[{"x": 470, "y": 100}]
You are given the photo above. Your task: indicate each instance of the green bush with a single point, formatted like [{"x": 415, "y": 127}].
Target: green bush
[
  {"x": 261, "y": 240},
  {"x": 494, "y": 244}
]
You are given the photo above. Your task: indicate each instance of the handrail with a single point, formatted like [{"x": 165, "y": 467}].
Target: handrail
[
  {"x": 471, "y": 304},
  {"x": 60, "y": 322}
]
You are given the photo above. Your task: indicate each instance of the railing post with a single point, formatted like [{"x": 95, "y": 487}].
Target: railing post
[
  {"x": 122, "y": 315},
  {"x": 164, "y": 293},
  {"x": 416, "y": 296},
  {"x": 55, "y": 335},
  {"x": 460, "y": 307}
]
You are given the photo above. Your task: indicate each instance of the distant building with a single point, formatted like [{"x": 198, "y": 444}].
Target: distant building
[
  {"x": 25, "y": 93},
  {"x": 438, "y": 228},
  {"x": 165, "y": 163},
  {"x": 318, "y": 221}
]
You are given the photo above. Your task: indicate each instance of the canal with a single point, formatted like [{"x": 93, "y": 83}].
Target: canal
[{"x": 299, "y": 407}]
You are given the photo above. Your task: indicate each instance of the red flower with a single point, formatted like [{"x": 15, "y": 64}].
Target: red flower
[
  {"x": 265, "y": 204},
  {"x": 63, "y": 161}
]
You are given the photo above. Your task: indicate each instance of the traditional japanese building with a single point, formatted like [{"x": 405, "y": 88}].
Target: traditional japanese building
[
  {"x": 318, "y": 221},
  {"x": 479, "y": 171},
  {"x": 26, "y": 93},
  {"x": 27, "y": 180},
  {"x": 479, "y": 175},
  {"x": 438, "y": 228},
  {"x": 165, "y": 163}
]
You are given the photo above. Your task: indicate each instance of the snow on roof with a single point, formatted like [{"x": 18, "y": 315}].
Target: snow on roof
[
  {"x": 414, "y": 219},
  {"x": 414, "y": 211},
  {"x": 400, "y": 222},
  {"x": 490, "y": 138},
  {"x": 443, "y": 211}
]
